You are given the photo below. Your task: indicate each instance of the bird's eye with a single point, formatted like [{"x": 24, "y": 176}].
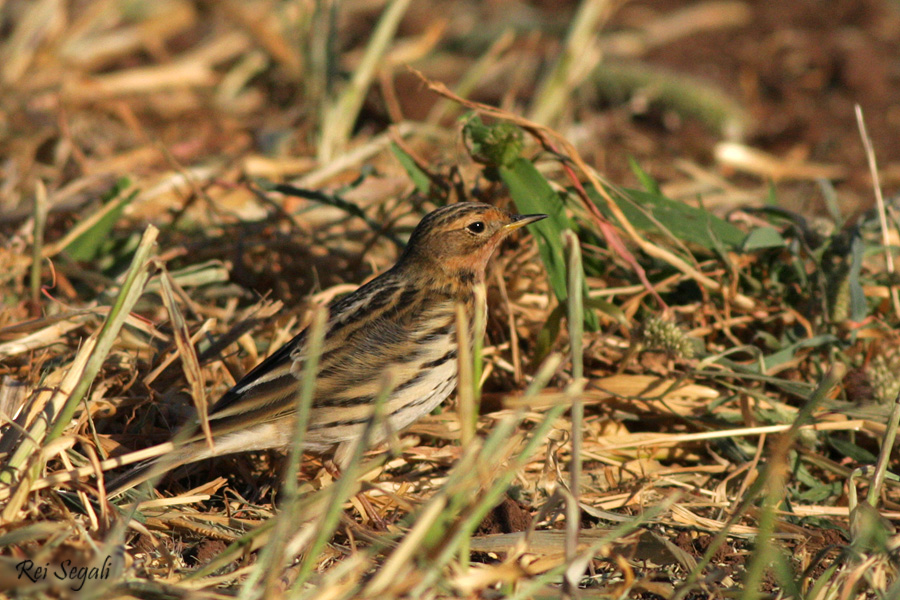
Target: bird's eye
[{"x": 476, "y": 227}]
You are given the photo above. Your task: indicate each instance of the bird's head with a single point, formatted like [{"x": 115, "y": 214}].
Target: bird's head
[{"x": 460, "y": 238}]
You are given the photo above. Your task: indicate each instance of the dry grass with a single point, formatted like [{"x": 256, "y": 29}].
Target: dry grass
[{"x": 183, "y": 182}]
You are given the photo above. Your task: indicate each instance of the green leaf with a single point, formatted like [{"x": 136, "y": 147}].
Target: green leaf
[
  {"x": 533, "y": 194},
  {"x": 829, "y": 194},
  {"x": 851, "y": 450},
  {"x": 648, "y": 211},
  {"x": 548, "y": 334},
  {"x": 648, "y": 182},
  {"x": 763, "y": 237},
  {"x": 607, "y": 308},
  {"x": 497, "y": 145},
  {"x": 871, "y": 530},
  {"x": 789, "y": 352},
  {"x": 783, "y": 567},
  {"x": 87, "y": 246},
  {"x": 419, "y": 178},
  {"x": 859, "y": 308},
  {"x": 820, "y": 493}
]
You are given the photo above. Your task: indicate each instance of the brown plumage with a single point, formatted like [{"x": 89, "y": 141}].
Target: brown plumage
[{"x": 403, "y": 321}]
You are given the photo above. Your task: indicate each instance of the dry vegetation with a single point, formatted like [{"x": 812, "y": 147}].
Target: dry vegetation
[{"x": 713, "y": 417}]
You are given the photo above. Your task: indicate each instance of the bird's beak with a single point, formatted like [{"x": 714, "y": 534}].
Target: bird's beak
[{"x": 522, "y": 221}]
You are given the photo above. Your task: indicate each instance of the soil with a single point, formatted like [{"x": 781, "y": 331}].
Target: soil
[{"x": 798, "y": 68}]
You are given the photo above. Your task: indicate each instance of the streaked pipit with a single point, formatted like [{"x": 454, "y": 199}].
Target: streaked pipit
[{"x": 403, "y": 321}]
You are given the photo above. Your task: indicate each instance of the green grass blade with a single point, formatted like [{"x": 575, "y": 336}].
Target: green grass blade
[
  {"x": 272, "y": 552},
  {"x": 87, "y": 245},
  {"x": 533, "y": 194},
  {"x": 89, "y": 360},
  {"x": 419, "y": 177},
  {"x": 339, "y": 117},
  {"x": 648, "y": 211},
  {"x": 576, "y": 335}
]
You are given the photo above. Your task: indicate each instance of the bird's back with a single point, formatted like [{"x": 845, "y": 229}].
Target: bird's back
[{"x": 394, "y": 331}]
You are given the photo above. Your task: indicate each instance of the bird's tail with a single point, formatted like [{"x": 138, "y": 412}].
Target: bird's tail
[
  {"x": 188, "y": 447},
  {"x": 135, "y": 476},
  {"x": 153, "y": 468}
]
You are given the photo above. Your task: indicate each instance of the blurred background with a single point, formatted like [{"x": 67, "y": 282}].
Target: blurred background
[{"x": 707, "y": 97}]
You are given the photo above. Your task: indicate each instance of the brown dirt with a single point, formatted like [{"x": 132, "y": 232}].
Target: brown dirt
[{"x": 798, "y": 68}]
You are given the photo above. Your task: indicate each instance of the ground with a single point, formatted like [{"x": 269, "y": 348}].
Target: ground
[{"x": 736, "y": 401}]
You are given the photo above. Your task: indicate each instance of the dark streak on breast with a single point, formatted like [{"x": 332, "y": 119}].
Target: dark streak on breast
[{"x": 466, "y": 276}]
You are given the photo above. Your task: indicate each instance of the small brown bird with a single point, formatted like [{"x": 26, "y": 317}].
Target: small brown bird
[{"x": 403, "y": 321}]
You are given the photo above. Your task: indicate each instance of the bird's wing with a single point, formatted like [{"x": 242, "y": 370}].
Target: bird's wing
[
  {"x": 270, "y": 390},
  {"x": 386, "y": 325},
  {"x": 262, "y": 393}
]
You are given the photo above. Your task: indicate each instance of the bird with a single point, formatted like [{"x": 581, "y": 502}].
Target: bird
[{"x": 403, "y": 322}]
